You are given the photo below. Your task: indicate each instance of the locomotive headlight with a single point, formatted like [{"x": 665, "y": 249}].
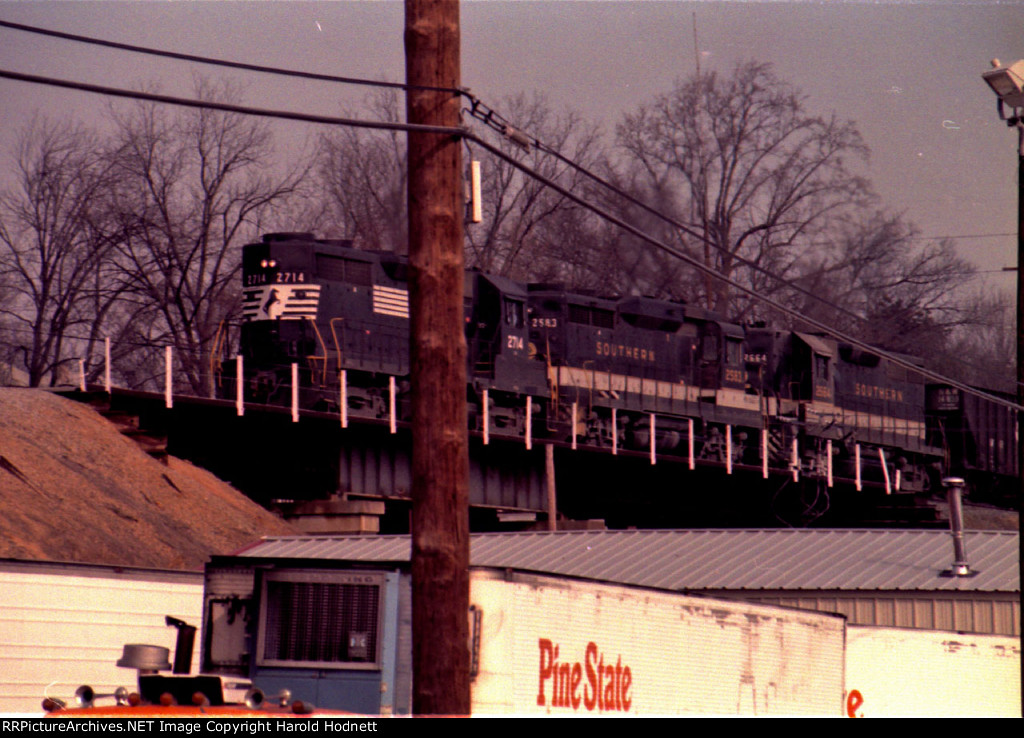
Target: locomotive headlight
[
  {"x": 263, "y": 264},
  {"x": 272, "y": 264}
]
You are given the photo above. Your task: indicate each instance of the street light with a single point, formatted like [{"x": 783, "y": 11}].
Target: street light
[{"x": 1008, "y": 84}]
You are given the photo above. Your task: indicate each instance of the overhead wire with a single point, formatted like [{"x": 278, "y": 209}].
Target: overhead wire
[
  {"x": 522, "y": 139},
  {"x": 226, "y": 107},
  {"x": 218, "y": 62},
  {"x": 478, "y": 110},
  {"x": 498, "y": 123},
  {"x": 704, "y": 269},
  {"x": 496, "y": 151}
]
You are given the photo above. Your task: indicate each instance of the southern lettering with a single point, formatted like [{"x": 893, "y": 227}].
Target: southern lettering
[
  {"x": 875, "y": 392},
  {"x": 618, "y": 350}
]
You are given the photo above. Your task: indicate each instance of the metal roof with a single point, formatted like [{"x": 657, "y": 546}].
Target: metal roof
[{"x": 785, "y": 559}]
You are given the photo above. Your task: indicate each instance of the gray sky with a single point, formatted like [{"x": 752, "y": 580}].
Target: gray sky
[{"x": 908, "y": 73}]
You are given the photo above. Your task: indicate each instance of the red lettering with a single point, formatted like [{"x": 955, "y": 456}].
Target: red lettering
[
  {"x": 854, "y": 700},
  {"x": 592, "y": 689},
  {"x": 577, "y": 677},
  {"x": 545, "y": 669},
  {"x": 618, "y": 683},
  {"x": 562, "y": 698},
  {"x": 609, "y": 688},
  {"x": 604, "y": 688}
]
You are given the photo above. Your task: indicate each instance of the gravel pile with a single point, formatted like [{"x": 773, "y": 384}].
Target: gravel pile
[{"x": 74, "y": 489}]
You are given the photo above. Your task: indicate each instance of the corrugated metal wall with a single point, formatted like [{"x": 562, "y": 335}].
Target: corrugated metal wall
[
  {"x": 967, "y": 613},
  {"x": 65, "y": 626}
]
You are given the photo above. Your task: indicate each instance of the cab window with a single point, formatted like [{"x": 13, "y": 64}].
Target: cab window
[{"x": 514, "y": 313}]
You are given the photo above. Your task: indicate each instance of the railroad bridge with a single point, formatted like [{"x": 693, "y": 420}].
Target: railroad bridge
[{"x": 357, "y": 478}]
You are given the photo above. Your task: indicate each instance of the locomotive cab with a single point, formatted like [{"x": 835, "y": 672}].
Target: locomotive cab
[
  {"x": 720, "y": 356},
  {"x": 498, "y": 345},
  {"x": 814, "y": 374}
]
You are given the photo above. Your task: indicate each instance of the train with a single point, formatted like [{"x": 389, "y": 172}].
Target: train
[{"x": 326, "y": 326}]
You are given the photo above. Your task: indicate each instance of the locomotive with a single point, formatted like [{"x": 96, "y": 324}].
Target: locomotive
[{"x": 627, "y": 374}]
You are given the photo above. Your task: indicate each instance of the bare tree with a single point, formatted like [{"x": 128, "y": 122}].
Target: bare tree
[
  {"x": 742, "y": 163},
  {"x": 363, "y": 173},
  {"x": 888, "y": 285},
  {"x": 982, "y": 351},
  {"x": 192, "y": 188},
  {"x": 528, "y": 229},
  {"x": 54, "y": 238}
]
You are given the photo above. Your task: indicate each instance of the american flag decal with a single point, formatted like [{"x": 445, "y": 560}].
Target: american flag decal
[
  {"x": 389, "y": 301},
  {"x": 280, "y": 302}
]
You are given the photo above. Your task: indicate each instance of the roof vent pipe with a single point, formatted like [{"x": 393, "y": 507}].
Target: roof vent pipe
[{"x": 954, "y": 491}]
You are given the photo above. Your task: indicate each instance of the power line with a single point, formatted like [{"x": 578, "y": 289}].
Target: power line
[
  {"x": 704, "y": 269},
  {"x": 226, "y": 107},
  {"x": 498, "y": 123},
  {"x": 478, "y": 109},
  {"x": 524, "y": 140},
  {"x": 219, "y": 62},
  {"x": 961, "y": 235},
  {"x": 600, "y": 212}
]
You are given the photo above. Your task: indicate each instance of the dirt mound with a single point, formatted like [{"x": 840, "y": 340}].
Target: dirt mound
[{"x": 73, "y": 489}]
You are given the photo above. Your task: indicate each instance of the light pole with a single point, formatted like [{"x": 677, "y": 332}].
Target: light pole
[{"x": 1008, "y": 84}]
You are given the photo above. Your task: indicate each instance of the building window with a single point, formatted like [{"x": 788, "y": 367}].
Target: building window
[{"x": 322, "y": 620}]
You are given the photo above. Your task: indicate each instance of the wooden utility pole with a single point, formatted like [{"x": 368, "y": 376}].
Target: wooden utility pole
[{"x": 440, "y": 444}]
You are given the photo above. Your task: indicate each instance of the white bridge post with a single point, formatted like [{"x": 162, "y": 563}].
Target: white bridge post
[
  {"x": 392, "y": 406},
  {"x": 795, "y": 461},
  {"x": 885, "y": 471},
  {"x": 728, "y": 449},
  {"x": 654, "y": 459},
  {"x": 168, "y": 379},
  {"x": 690, "y": 460},
  {"x": 856, "y": 456},
  {"x": 764, "y": 453},
  {"x": 529, "y": 424},
  {"x": 239, "y": 386},
  {"x": 106, "y": 364},
  {"x": 828, "y": 461},
  {"x": 295, "y": 393},
  {"x": 343, "y": 397},
  {"x": 487, "y": 418}
]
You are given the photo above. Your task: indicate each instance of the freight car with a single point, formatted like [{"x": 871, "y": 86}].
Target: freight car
[
  {"x": 979, "y": 439},
  {"x": 630, "y": 374}
]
